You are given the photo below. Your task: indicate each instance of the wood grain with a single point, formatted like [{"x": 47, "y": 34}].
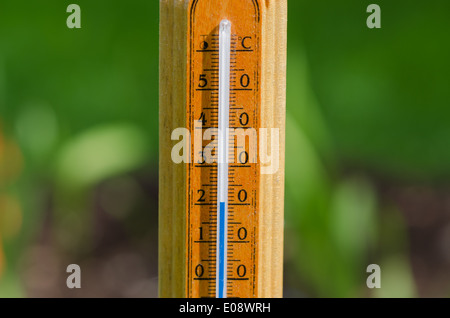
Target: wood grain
[
  {"x": 173, "y": 99},
  {"x": 273, "y": 115},
  {"x": 172, "y": 114}
]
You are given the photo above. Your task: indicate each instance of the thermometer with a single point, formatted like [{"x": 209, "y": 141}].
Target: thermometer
[
  {"x": 222, "y": 119},
  {"x": 222, "y": 165}
]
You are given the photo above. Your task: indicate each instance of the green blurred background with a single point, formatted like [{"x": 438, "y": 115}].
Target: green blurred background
[{"x": 368, "y": 156}]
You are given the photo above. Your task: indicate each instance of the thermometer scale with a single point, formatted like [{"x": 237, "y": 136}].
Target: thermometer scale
[{"x": 222, "y": 76}]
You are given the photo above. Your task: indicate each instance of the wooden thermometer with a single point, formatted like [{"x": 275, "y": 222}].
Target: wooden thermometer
[{"x": 222, "y": 136}]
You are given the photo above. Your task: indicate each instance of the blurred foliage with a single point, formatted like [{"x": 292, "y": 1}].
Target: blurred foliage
[
  {"x": 384, "y": 93},
  {"x": 79, "y": 137},
  {"x": 81, "y": 105},
  {"x": 375, "y": 100}
]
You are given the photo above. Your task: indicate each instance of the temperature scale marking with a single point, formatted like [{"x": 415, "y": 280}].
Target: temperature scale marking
[{"x": 222, "y": 196}]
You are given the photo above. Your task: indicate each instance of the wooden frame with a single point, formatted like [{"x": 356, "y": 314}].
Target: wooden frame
[{"x": 172, "y": 197}]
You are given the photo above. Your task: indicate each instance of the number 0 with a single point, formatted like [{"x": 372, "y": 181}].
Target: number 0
[
  {"x": 199, "y": 270},
  {"x": 242, "y": 195},
  {"x": 242, "y": 233},
  {"x": 241, "y": 271},
  {"x": 243, "y": 119},
  {"x": 245, "y": 80}
]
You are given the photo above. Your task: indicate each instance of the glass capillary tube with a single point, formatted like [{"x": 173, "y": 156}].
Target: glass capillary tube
[{"x": 223, "y": 142}]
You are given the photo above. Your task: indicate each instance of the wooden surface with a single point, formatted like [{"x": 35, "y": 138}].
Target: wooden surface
[
  {"x": 172, "y": 186},
  {"x": 203, "y": 102},
  {"x": 174, "y": 98},
  {"x": 273, "y": 115}
]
